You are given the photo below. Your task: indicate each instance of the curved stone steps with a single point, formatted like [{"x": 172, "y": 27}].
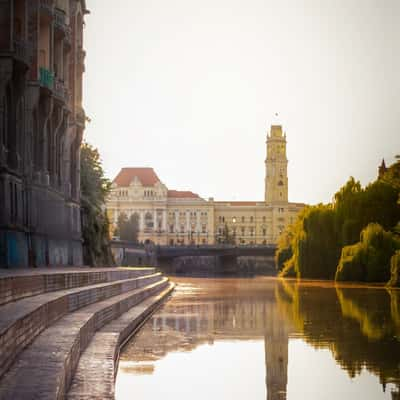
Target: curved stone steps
[
  {"x": 23, "y": 320},
  {"x": 95, "y": 375},
  {"x": 45, "y": 369},
  {"x": 18, "y": 284}
]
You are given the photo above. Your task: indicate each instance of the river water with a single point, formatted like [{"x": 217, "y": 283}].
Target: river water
[{"x": 265, "y": 338}]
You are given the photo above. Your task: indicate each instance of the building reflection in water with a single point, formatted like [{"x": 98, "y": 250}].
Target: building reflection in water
[{"x": 362, "y": 332}]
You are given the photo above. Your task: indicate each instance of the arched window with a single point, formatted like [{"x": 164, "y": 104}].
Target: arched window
[{"x": 280, "y": 183}]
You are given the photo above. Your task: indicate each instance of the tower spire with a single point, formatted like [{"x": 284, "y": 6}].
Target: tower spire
[{"x": 382, "y": 169}]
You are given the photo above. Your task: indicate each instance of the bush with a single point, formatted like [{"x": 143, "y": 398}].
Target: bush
[
  {"x": 395, "y": 270},
  {"x": 350, "y": 267},
  {"x": 368, "y": 260}
]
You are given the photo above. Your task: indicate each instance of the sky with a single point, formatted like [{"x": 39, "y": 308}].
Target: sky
[{"x": 191, "y": 87}]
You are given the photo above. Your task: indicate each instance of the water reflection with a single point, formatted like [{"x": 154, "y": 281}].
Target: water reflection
[{"x": 359, "y": 327}]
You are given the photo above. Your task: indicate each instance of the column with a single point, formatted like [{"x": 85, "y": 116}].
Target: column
[
  {"x": 198, "y": 223},
  {"x": 141, "y": 221},
  {"x": 187, "y": 222},
  {"x": 155, "y": 227},
  {"x": 177, "y": 227},
  {"x": 164, "y": 221}
]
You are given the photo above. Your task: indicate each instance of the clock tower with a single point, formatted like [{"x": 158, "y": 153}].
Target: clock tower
[{"x": 276, "y": 179}]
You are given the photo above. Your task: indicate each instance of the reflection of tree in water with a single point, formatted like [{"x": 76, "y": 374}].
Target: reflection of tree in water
[{"x": 360, "y": 326}]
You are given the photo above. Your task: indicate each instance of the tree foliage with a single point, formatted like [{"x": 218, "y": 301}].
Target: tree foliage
[
  {"x": 227, "y": 237},
  {"x": 312, "y": 247},
  {"x": 369, "y": 259},
  {"x": 395, "y": 270},
  {"x": 127, "y": 228},
  {"x": 284, "y": 251},
  {"x": 95, "y": 225}
]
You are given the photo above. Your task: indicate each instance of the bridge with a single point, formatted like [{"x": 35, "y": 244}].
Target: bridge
[
  {"x": 169, "y": 252},
  {"x": 205, "y": 259}
]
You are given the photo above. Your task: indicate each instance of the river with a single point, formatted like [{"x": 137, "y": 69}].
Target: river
[{"x": 264, "y": 338}]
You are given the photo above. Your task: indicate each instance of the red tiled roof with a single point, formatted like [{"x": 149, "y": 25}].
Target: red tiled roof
[
  {"x": 146, "y": 176},
  {"x": 179, "y": 194},
  {"x": 239, "y": 203}
]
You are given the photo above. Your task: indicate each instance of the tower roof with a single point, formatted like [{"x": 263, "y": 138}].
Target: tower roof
[
  {"x": 182, "y": 194},
  {"x": 146, "y": 176}
]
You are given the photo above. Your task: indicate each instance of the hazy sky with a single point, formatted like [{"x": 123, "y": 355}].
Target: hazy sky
[{"x": 190, "y": 88}]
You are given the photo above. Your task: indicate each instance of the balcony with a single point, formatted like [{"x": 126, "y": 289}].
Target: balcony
[
  {"x": 22, "y": 51},
  {"x": 61, "y": 91},
  {"x": 60, "y": 24},
  {"x": 80, "y": 116},
  {"x": 46, "y": 78}
]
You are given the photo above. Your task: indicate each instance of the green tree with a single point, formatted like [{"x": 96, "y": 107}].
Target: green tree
[
  {"x": 395, "y": 270},
  {"x": 368, "y": 260},
  {"x": 284, "y": 249},
  {"x": 313, "y": 246},
  {"x": 227, "y": 237},
  {"x": 128, "y": 228},
  {"x": 95, "y": 225}
]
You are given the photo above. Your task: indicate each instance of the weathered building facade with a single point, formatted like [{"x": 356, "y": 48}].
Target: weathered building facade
[
  {"x": 171, "y": 217},
  {"x": 41, "y": 128}
]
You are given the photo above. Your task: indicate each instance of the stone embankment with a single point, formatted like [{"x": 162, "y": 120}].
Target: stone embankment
[{"x": 61, "y": 330}]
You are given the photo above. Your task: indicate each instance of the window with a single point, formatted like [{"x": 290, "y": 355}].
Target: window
[
  {"x": 251, "y": 219},
  {"x": 243, "y": 219},
  {"x": 264, "y": 219},
  {"x": 264, "y": 232},
  {"x": 171, "y": 229},
  {"x": 203, "y": 228},
  {"x": 148, "y": 220}
]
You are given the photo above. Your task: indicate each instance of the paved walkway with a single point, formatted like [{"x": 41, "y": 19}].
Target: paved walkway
[{"x": 6, "y": 272}]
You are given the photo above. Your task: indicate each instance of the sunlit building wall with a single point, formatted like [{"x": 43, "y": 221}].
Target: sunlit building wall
[{"x": 171, "y": 217}]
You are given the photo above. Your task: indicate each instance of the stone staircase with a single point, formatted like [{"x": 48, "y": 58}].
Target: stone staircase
[{"x": 52, "y": 322}]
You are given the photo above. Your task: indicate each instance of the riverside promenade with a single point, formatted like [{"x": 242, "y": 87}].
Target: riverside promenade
[{"x": 61, "y": 329}]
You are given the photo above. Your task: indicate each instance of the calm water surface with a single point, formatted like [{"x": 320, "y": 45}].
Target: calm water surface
[{"x": 263, "y": 338}]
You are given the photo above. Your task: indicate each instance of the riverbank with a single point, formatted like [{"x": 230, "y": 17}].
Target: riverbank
[{"x": 50, "y": 317}]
